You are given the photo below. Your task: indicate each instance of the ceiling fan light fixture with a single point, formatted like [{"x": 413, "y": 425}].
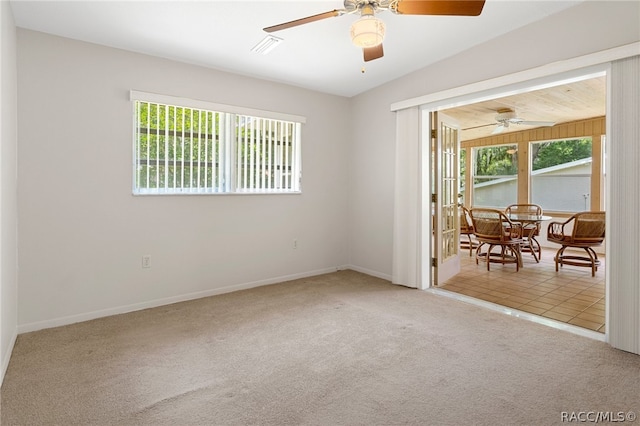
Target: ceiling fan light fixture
[
  {"x": 368, "y": 31},
  {"x": 505, "y": 115}
]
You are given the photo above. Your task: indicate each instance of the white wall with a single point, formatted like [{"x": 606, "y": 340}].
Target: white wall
[
  {"x": 82, "y": 233},
  {"x": 8, "y": 203},
  {"x": 590, "y": 27}
]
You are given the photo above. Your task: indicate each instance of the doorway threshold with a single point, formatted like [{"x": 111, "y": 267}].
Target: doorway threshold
[{"x": 521, "y": 314}]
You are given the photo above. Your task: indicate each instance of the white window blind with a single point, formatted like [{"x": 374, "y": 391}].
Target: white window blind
[{"x": 185, "y": 146}]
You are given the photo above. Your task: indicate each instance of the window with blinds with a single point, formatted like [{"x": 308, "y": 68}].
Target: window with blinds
[{"x": 188, "y": 149}]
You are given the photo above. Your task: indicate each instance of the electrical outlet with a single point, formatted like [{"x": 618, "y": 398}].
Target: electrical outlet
[
  {"x": 146, "y": 261},
  {"x": 295, "y": 244}
]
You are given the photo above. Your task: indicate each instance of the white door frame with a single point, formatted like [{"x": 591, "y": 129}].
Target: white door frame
[
  {"x": 442, "y": 103},
  {"x": 533, "y": 79}
]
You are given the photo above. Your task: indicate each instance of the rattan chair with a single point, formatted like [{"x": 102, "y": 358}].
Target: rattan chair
[
  {"x": 583, "y": 230},
  {"x": 466, "y": 230},
  {"x": 530, "y": 230},
  {"x": 493, "y": 228}
]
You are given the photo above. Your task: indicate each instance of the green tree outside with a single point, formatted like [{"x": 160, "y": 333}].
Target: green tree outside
[{"x": 502, "y": 161}]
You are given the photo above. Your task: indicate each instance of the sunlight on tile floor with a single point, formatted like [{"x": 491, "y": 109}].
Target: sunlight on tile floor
[{"x": 570, "y": 295}]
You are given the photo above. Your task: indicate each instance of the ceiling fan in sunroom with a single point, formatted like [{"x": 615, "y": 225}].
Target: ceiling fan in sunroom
[
  {"x": 506, "y": 116},
  {"x": 368, "y": 31}
]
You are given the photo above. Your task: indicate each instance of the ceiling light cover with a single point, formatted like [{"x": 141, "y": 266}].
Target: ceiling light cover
[{"x": 368, "y": 31}]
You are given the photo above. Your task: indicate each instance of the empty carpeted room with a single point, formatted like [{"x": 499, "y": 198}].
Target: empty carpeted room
[{"x": 282, "y": 274}]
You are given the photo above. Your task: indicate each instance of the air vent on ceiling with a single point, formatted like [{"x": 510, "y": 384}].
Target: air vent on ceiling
[{"x": 266, "y": 45}]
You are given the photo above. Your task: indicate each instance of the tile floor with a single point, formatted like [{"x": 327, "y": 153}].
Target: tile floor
[{"x": 570, "y": 295}]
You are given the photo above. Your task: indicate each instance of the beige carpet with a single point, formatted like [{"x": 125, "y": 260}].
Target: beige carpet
[{"x": 336, "y": 349}]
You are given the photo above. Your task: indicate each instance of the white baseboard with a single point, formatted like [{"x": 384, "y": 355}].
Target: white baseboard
[
  {"x": 369, "y": 272},
  {"x": 71, "y": 319},
  {"x": 6, "y": 357}
]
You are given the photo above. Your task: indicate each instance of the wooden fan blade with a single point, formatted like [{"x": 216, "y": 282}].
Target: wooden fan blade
[
  {"x": 480, "y": 126},
  {"x": 371, "y": 53},
  {"x": 537, "y": 123},
  {"x": 440, "y": 7},
  {"x": 302, "y": 21}
]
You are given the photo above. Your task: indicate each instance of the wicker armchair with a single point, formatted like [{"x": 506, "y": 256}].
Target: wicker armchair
[
  {"x": 493, "y": 228},
  {"x": 583, "y": 230},
  {"x": 531, "y": 230},
  {"x": 466, "y": 229}
]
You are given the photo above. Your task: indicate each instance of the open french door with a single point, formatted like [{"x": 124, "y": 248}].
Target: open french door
[{"x": 445, "y": 160}]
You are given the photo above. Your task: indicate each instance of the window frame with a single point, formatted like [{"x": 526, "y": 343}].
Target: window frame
[
  {"x": 535, "y": 175},
  {"x": 231, "y": 185},
  {"x": 489, "y": 178}
]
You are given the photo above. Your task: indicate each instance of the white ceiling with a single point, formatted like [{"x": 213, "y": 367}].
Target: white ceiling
[{"x": 318, "y": 55}]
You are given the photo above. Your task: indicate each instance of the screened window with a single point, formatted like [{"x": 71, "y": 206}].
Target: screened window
[
  {"x": 495, "y": 176},
  {"x": 561, "y": 174},
  {"x": 192, "y": 147},
  {"x": 463, "y": 174}
]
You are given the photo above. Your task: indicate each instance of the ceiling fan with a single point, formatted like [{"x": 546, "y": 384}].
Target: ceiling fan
[
  {"x": 507, "y": 116},
  {"x": 368, "y": 31}
]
